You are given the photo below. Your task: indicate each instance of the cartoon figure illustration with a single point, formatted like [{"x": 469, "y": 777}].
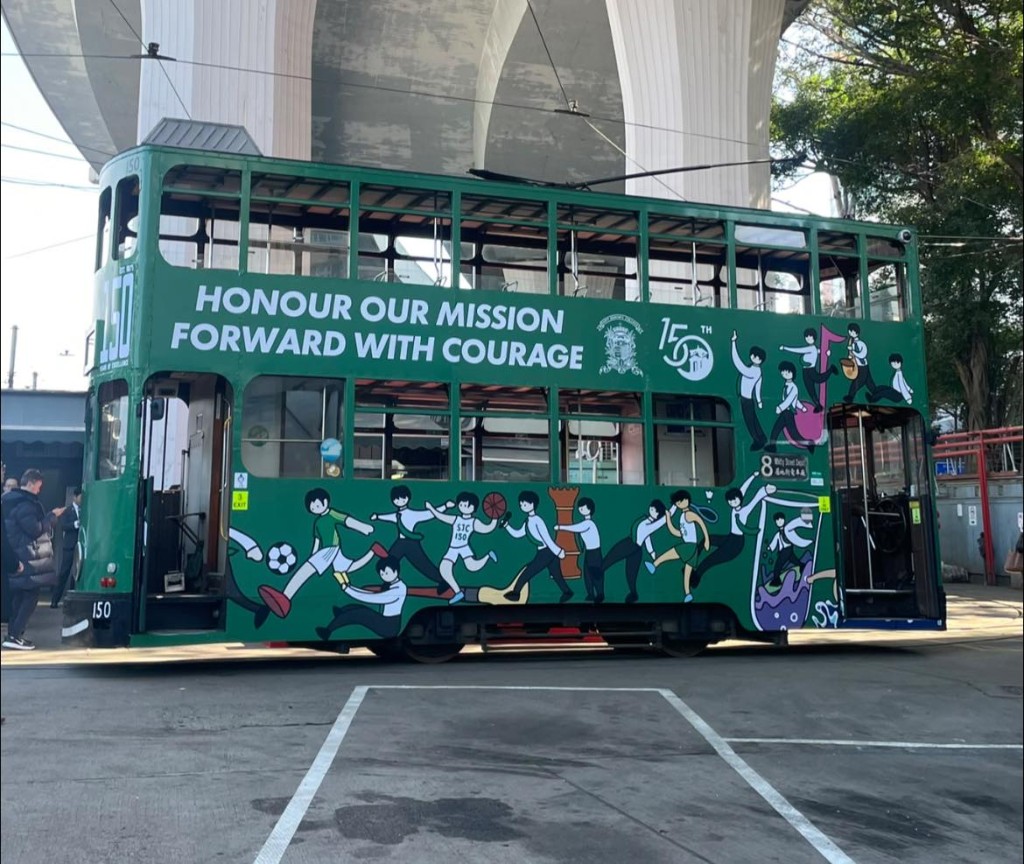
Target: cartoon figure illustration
[
  {"x": 409, "y": 543},
  {"x": 630, "y": 549},
  {"x": 249, "y": 546},
  {"x": 689, "y": 549},
  {"x": 326, "y": 553},
  {"x": 728, "y": 546},
  {"x": 463, "y": 527},
  {"x": 593, "y": 566},
  {"x": 386, "y": 622},
  {"x": 813, "y": 377},
  {"x": 899, "y": 389},
  {"x": 750, "y": 391},
  {"x": 548, "y": 552},
  {"x": 789, "y": 545},
  {"x": 858, "y": 372},
  {"x": 786, "y": 411}
]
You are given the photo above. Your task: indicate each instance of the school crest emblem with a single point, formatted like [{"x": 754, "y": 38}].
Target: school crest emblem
[{"x": 620, "y": 351}]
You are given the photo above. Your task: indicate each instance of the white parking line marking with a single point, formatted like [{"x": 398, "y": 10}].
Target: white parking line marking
[
  {"x": 825, "y": 847},
  {"x": 909, "y": 745},
  {"x": 281, "y": 837}
]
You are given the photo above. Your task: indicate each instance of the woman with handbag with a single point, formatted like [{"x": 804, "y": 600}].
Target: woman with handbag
[
  {"x": 1015, "y": 558},
  {"x": 28, "y": 528}
]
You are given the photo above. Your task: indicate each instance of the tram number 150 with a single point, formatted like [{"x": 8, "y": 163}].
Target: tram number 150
[{"x": 101, "y": 610}]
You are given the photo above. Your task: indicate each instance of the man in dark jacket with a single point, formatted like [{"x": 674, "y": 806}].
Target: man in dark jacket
[
  {"x": 70, "y": 522},
  {"x": 27, "y": 528}
]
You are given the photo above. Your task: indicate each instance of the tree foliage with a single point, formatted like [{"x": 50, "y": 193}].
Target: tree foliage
[{"x": 915, "y": 106}]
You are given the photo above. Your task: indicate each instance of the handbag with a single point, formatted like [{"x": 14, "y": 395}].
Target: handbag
[{"x": 1014, "y": 562}]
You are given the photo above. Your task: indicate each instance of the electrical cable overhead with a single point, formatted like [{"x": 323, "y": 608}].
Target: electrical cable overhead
[
  {"x": 56, "y": 138},
  {"x": 43, "y": 152},
  {"x": 50, "y": 246}
]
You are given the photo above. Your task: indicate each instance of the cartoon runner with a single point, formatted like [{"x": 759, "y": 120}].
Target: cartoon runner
[
  {"x": 687, "y": 551},
  {"x": 593, "y": 567},
  {"x": 810, "y": 373},
  {"x": 750, "y": 391},
  {"x": 409, "y": 541},
  {"x": 728, "y": 546},
  {"x": 786, "y": 409},
  {"x": 326, "y": 553},
  {"x": 858, "y": 352},
  {"x": 387, "y": 622},
  {"x": 463, "y": 527},
  {"x": 548, "y": 551},
  {"x": 899, "y": 390},
  {"x": 630, "y": 549}
]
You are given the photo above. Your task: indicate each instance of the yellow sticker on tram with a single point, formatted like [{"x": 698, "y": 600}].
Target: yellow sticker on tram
[
  {"x": 824, "y": 504},
  {"x": 240, "y": 500}
]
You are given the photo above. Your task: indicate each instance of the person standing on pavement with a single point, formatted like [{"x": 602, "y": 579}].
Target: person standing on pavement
[
  {"x": 27, "y": 527},
  {"x": 70, "y": 522}
]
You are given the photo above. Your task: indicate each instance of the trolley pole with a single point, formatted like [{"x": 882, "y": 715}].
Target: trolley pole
[{"x": 14, "y": 354}]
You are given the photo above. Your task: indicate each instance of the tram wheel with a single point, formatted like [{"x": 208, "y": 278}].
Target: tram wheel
[
  {"x": 682, "y": 647},
  {"x": 430, "y": 653}
]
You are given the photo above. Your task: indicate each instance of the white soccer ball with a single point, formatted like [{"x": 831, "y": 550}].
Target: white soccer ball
[{"x": 281, "y": 558}]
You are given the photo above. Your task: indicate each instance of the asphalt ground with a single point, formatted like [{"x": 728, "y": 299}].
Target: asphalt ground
[{"x": 840, "y": 747}]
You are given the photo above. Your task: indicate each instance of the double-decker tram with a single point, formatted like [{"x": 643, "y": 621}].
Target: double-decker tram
[{"x": 336, "y": 406}]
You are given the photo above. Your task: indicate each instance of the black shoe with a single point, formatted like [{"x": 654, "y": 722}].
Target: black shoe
[
  {"x": 599, "y": 598},
  {"x": 19, "y": 643},
  {"x": 566, "y": 596},
  {"x": 513, "y": 596},
  {"x": 260, "y": 616},
  {"x": 757, "y": 445},
  {"x": 442, "y": 590},
  {"x": 832, "y": 370},
  {"x": 324, "y": 633},
  {"x": 810, "y": 449},
  {"x": 631, "y": 597},
  {"x": 818, "y": 409},
  {"x": 770, "y": 448}
]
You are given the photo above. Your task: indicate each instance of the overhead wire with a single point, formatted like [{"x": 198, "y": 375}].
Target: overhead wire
[{"x": 56, "y": 138}]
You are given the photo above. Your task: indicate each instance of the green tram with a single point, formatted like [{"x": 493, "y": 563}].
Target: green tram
[{"x": 336, "y": 406}]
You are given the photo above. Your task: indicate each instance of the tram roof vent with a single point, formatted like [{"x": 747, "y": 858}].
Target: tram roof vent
[{"x": 197, "y": 135}]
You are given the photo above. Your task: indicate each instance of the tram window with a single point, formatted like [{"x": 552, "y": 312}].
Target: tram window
[
  {"x": 694, "y": 442},
  {"x": 599, "y": 446},
  {"x": 402, "y": 430},
  {"x": 686, "y": 262},
  {"x": 506, "y": 434},
  {"x": 126, "y": 214},
  {"x": 597, "y": 252},
  {"x": 103, "y": 229},
  {"x": 404, "y": 235},
  {"x": 299, "y": 226},
  {"x": 772, "y": 279},
  {"x": 887, "y": 290},
  {"x": 112, "y": 434},
  {"x": 504, "y": 245},
  {"x": 199, "y": 217},
  {"x": 284, "y": 421},
  {"x": 839, "y": 288}
]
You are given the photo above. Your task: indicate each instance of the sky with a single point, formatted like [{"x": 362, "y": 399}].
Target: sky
[{"x": 47, "y": 226}]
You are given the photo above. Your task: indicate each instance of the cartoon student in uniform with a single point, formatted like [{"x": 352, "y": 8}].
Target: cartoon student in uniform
[
  {"x": 593, "y": 565},
  {"x": 463, "y": 527},
  {"x": 409, "y": 543},
  {"x": 548, "y": 553},
  {"x": 689, "y": 548},
  {"x": 326, "y": 553},
  {"x": 858, "y": 352},
  {"x": 786, "y": 411},
  {"x": 900, "y": 390},
  {"x": 386, "y": 621},
  {"x": 750, "y": 391},
  {"x": 631, "y": 549},
  {"x": 812, "y": 378}
]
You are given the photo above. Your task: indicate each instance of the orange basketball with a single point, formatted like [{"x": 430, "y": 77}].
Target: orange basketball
[{"x": 494, "y": 505}]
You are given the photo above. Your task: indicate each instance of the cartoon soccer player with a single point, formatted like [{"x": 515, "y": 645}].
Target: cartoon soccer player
[
  {"x": 463, "y": 527},
  {"x": 728, "y": 546},
  {"x": 326, "y": 553},
  {"x": 548, "y": 551},
  {"x": 750, "y": 391},
  {"x": 786, "y": 411},
  {"x": 593, "y": 566},
  {"x": 812, "y": 377},
  {"x": 689, "y": 549},
  {"x": 409, "y": 543},
  {"x": 899, "y": 390},
  {"x": 858, "y": 352},
  {"x": 630, "y": 549},
  {"x": 386, "y": 621}
]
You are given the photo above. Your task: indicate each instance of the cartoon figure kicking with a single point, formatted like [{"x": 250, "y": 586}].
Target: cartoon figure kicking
[
  {"x": 548, "y": 551},
  {"x": 326, "y": 553},
  {"x": 386, "y": 621},
  {"x": 463, "y": 527},
  {"x": 690, "y": 547},
  {"x": 631, "y": 549},
  {"x": 409, "y": 543}
]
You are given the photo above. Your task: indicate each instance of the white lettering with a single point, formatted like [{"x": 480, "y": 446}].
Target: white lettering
[{"x": 204, "y": 296}]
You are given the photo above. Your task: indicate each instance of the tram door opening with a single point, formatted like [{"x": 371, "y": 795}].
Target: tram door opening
[
  {"x": 184, "y": 505},
  {"x": 884, "y": 513}
]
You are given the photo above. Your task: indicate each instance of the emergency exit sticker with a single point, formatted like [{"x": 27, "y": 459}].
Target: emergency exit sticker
[
  {"x": 240, "y": 500},
  {"x": 824, "y": 504}
]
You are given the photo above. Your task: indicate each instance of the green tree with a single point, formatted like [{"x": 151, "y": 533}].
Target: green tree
[{"x": 916, "y": 108}]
